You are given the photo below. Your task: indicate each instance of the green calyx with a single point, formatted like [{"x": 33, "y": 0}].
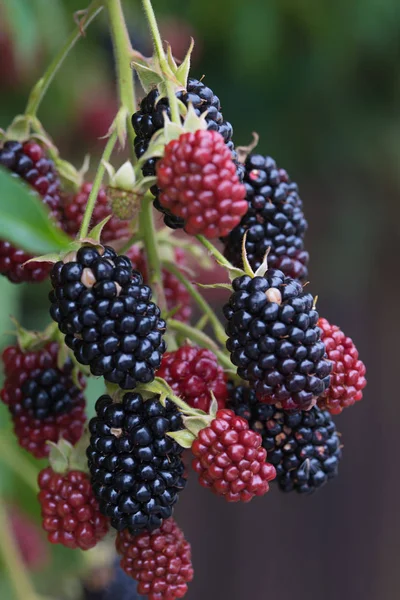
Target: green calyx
[{"x": 64, "y": 457}]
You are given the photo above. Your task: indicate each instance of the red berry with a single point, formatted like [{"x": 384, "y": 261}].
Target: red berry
[
  {"x": 42, "y": 410},
  {"x": 193, "y": 373},
  {"x": 160, "y": 561},
  {"x": 74, "y": 209},
  {"x": 176, "y": 294},
  {"x": 70, "y": 511},
  {"x": 30, "y": 162},
  {"x": 230, "y": 459},
  {"x": 348, "y": 372},
  {"x": 199, "y": 183}
]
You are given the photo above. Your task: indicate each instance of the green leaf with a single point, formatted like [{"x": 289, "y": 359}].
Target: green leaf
[
  {"x": 24, "y": 220},
  {"x": 183, "y": 437}
]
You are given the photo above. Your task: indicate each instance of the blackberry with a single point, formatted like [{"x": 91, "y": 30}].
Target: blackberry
[
  {"x": 274, "y": 220},
  {"x": 150, "y": 118},
  {"x": 304, "y": 447},
  {"x": 136, "y": 469},
  {"x": 106, "y": 314},
  {"x": 274, "y": 340},
  {"x": 30, "y": 162}
]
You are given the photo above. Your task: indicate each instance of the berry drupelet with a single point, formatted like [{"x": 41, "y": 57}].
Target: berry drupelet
[
  {"x": 176, "y": 295},
  {"x": 160, "y": 561},
  {"x": 74, "y": 209},
  {"x": 70, "y": 511},
  {"x": 198, "y": 183},
  {"x": 304, "y": 447},
  {"x": 274, "y": 340},
  {"x": 348, "y": 372},
  {"x": 274, "y": 220},
  {"x": 30, "y": 162},
  {"x": 106, "y": 314},
  {"x": 193, "y": 373},
  {"x": 44, "y": 401},
  {"x": 230, "y": 460},
  {"x": 136, "y": 468},
  {"x": 150, "y": 118}
]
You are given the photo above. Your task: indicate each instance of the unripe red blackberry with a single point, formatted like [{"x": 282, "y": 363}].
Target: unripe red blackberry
[
  {"x": 274, "y": 340},
  {"x": 194, "y": 374},
  {"x": 348, "y": 372},
  {"x": 70, "y": 511},
  {"x": 274, "y": 220},
  {"x": 107, "y": 316},
  {"x": 230, "y": 459},
  {"x": 74, "y": 209},
  {"x": 150, "y": 118},
  {"x": 44, "y": 401},
  {"x": 303, "y": 446},
  {"x": 199, "y": 184},
  {"x": 30, "y": 162},
  {"x": 160, "y": 561},
  {"x": 175, "y": 292},
  {"x": 136, "y": 468}
]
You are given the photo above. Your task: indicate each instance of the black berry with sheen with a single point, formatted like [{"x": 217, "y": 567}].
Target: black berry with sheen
[
  {"x": 274, "y": 340},
  {"x": 274, "y": 220},
  {"x": 136, "y": 468},
  {"x": 105, "y": 311},
  {"x": 150, "y": 118},
  {"x": 304, "y": 447}
]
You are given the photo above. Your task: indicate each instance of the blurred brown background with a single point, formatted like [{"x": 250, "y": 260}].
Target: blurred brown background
[{"x": 320, "y": 82}]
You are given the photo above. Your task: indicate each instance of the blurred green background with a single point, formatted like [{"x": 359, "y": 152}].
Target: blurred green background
[{"x": 319, "y": 82}]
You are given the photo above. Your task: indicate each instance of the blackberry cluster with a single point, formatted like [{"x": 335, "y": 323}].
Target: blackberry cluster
[
  {"x": 304, "y": 447},
  {"x": 150, "y": 118},
  {"x": 30, "y": 162},
  {"x": 274, "y": 340},
  {"x": 106, "y": 314},
  {"x": 274, "y": 220},
  {"x": 136, "y": 469}
]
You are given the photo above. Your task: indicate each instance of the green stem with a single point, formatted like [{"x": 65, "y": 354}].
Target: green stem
[
  {"x": 97, "y": 184},
  {"x": 149, "y": 237},
  {"x": 13, "y": 561},
  {"x": 158, "y": 46},
  {"x": 41, "y": 87},
  {"x": 17, "y": 463},
  {"x": 122, "y": 52},
  {"x": 201, "y": 302},
  {"x": 203, "y": 340},
  {"x": 219, "y": 257}
]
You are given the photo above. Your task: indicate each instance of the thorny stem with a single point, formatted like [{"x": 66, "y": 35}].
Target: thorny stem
[
  {"x": 201, "y": 302},
  {"x": 203, "y": 340},
  {"x": 97, "y": 184},
  {"x": 41, "y": 87},
  {"x": 122, "y": 52},
  {"x": 13, "y": 561}
]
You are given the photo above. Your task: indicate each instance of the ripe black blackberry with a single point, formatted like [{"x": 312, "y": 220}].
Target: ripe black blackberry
[
  {"x": 304, "y": 447},
  {"x": 274, "y": 340},
  {"x": 150, "y": 118},
  {"x": 105, "y": 311},
  {"x": 136, "y": 469},
  {"x": 274, "y": 220}
]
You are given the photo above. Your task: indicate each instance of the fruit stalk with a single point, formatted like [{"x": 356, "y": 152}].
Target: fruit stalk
[
  {"x": 97, "y": 184},
  {"x": 13, "y": 561},
  {"x": 201, "y": 302},
  {"x": 39, "y": 90},
  {"x": 123, "y": 53}
]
